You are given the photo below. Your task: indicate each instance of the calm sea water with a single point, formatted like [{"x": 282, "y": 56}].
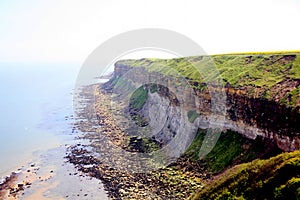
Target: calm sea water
[{"x": 35, "y": 99}]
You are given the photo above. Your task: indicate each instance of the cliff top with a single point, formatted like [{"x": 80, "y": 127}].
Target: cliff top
[{"x": 270, "y": 75}]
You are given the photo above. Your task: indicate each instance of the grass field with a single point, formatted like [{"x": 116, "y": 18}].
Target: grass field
[{"x": 264, "y": 71}]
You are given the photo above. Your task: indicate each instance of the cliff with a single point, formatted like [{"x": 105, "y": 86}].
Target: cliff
[{"x": 254, "y": 95}]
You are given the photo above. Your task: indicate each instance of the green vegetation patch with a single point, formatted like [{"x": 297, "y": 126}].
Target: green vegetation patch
[
  {"x": 290, "y": 190},
  {"x": 143, "y": 145},
  {"x": 138, "y": 98},
  {"x": 194, "y": 148},
  {"x": 291, "y": 98},
  {"x": 231, "y": 148},
  {"x": 295, "y": 69},
  {"x": 192, "y": 115},
  {"x": 274, "y": 178},
  {"x": 123, "y": 85}
]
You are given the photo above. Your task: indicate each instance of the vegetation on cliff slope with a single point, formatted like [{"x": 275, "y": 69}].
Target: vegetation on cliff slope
[
  {"x": 138, "y": 98},
  {"x": 231, "y": 148},
  {"x": 263, "y": 75},
  {"x": 274, "y": 178},
  {"x": 192, "y": 115}
]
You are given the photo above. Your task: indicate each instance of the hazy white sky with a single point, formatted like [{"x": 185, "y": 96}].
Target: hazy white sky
[{"x": 69, "y": 30}]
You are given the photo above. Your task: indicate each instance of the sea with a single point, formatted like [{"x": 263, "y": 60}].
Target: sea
[
  {"x": 35, "y": 99},
  {"x": 37, "y": 126}
]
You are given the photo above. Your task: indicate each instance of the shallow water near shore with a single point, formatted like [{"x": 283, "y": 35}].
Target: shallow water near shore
[
  {"x": 36, "y": 128},
  {"x": 33, "y": 99}
]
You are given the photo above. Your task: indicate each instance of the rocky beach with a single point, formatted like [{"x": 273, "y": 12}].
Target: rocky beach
[
  {"x": 176, "y": 181},
  {"x": 50, "y": 176}
]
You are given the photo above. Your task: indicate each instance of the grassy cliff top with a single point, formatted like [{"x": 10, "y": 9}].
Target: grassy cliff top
[
  {"x": 257, "y": 69},
  {"x": 270, "y": 72}
]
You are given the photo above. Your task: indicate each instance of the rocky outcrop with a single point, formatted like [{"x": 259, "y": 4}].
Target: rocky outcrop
[{"x": 225, "y": 107}]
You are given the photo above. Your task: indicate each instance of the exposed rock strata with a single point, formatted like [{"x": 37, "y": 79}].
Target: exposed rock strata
[{"x": 227, "y": 107}]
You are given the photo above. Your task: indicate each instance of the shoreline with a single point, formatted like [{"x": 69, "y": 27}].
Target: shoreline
[
  {"x": 6, "y": 183},
  {"x": 15, "y": 184},
  {"x": 51, "y": 177},
  {"x": 48, "y": 175}
]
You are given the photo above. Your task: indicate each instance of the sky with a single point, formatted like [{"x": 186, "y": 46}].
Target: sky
[{"x": 69, "y": 30}]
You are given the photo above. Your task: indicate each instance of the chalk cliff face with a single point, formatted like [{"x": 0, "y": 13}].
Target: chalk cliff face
[{"x": 227, "y": 107}]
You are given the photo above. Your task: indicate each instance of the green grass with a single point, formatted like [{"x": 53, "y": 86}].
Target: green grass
[
  {"x": 194, "y": 148},
  {"x": 251, "y": 70},
  {"x": 138, "y": 98},
  {"x": 231, "y": 148},
  {"x": 238, "y": 70},
  {"x": 123, "y": 85},
  {"x": 295, "y": 70},
  {"x": 291, "y": 98},
  {"x": 192, "y": 115},
  {"x": 274, "y": 178}
]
